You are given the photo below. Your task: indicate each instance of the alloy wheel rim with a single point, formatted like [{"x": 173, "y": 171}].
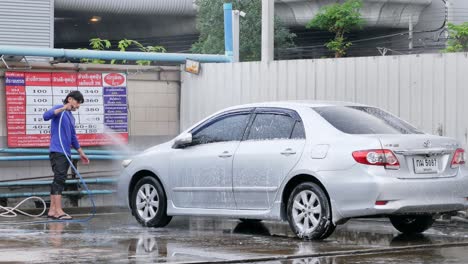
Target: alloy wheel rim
[
  {"x": 147, "y": 202},
  {"x": 306, "y": 211}
]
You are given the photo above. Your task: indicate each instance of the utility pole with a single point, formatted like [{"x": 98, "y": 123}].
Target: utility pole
[
  {"x": 410, "y": 36},
  {"x": 228, "y": 29},
  {"x": 447, "y": 19},
  {"x": 268, "y": 12},
  {"x": 235, "y": 33}
]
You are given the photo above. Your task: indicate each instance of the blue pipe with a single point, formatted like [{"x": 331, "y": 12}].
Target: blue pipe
[
  {"x": 39, "y": 183},
  {"x": 46, "y": 157},
  {"x": 46, "y": 151},
  {"x": 17, "y": 195},
  {"x": 110, "y": 55},
  {"x": 228, "y": 43}
]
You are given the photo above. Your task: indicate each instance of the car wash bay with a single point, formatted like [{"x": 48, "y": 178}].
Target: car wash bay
[{"x": 118, "y": 238}]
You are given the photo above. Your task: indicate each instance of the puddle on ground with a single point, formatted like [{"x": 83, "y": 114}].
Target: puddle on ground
[{"x": 119, "y": 238}]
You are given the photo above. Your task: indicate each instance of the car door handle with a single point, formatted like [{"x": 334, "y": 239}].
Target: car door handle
[
  {"x": 225, "y": 154},
  {"x": 288, "y": 152}
]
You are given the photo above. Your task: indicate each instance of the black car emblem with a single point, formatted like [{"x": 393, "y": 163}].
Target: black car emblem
[{"x": 427, "y": 144}]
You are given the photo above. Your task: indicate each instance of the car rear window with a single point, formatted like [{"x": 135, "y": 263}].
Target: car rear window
[
  {"x": 364, "y": 120},
  {"x": 271, "y": 126}
]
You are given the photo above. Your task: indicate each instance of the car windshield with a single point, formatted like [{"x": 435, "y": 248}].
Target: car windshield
[{"x": 364, "y": 120}]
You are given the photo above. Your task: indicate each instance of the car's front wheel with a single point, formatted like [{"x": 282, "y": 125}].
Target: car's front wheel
[
  {"x": 412, "y": 224},
  {"x": 309, "y": 213},
  {"x": 149, "y": 203}
]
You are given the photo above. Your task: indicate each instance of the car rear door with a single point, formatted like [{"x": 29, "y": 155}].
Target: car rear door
[{"x": 271, "y": 147}]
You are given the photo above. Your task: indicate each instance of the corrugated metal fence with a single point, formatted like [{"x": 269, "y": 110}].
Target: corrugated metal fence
[{"x": 429, "y": 90}]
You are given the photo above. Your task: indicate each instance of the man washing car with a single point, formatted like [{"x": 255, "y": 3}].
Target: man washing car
[{"x": 61, "y": 146}]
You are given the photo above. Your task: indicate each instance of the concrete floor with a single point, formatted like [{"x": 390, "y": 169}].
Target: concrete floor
[{"x": 118, "y": 238}]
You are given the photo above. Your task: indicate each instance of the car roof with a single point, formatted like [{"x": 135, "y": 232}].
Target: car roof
[{"x": 294, "y": 104}]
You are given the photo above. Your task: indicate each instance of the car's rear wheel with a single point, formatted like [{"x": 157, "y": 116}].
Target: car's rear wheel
[
  {"x": 309, "y": 213},
  {"x": 149, "y": 203},
  {"x": 412, "y": 224}
]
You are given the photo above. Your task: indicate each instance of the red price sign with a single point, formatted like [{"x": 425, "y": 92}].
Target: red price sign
[{"x": 30, "y": 94}]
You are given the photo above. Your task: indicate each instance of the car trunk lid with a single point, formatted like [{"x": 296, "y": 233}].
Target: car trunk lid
[{"x": 421, "y": 155}]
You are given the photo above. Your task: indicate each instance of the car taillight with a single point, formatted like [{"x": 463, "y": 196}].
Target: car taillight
[
  {"x": 381, "y": 202},
  {"x": 458, "y": 158},
  {"x": 377, "y": 157}
]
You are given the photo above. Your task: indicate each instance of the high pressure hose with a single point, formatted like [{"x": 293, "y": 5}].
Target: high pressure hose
[
  {"x": 11, "y": 211},
  {"x": 93, "y": 211}
]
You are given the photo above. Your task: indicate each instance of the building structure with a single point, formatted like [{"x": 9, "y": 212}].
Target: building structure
[{"x": 171, "y": 23}]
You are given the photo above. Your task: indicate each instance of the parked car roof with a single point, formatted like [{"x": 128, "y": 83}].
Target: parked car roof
[{"x": 297, "y": 103}]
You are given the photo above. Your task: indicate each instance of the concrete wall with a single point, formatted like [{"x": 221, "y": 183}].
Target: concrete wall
[
  {"x": 154, "y": 108},
  {"x": 427, "y": 90},
  {"x": 153, "y": 94}
]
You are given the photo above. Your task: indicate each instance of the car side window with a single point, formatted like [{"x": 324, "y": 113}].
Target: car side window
[
  {"x": 229, "y": 128},
  {"x": 298, "y": 131},
  {"x": 271, "y": 126}
]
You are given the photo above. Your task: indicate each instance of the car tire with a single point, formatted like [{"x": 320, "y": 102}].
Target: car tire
[
  {"x": 149, "y": 203},
  {"x": 412, "y": 224},
  {"x": 308, "y": 212},
  {"x": 330, "y": 229}
]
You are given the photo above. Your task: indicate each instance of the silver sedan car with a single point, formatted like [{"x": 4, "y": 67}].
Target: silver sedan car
[{"x": 313, "y": 164}]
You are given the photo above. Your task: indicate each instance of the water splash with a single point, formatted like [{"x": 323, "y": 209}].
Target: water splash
[{"x": 119, "y": 143}]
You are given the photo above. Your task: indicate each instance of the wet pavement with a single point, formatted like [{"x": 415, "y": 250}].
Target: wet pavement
[{"x": 118, "y": 238}]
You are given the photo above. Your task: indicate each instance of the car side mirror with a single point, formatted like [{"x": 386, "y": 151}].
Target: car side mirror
[{"x": 182, "y": 140}]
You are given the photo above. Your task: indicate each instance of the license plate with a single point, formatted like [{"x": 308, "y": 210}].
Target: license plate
[{"x": 425, "y": 165}]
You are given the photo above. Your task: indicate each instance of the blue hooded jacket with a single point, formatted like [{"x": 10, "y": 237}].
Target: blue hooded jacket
[{"x": 67, "y": 131}]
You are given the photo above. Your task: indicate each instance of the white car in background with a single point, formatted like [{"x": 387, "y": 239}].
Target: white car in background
[{"x": 314, "y": 164}]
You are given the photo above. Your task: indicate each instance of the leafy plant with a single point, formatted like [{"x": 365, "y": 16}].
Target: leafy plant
[
  {"x": 339, "y": 19},
  {"x": 458, "y": 38},
  {"x": 99, "y": 44},
  {"x": 122, "y": 45},
  {"x": 87, "y": 60}
]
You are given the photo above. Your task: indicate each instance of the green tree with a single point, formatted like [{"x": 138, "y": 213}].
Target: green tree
[
  {"x": 211, "y": 26},
  {"x": 458, "y": 38},
  {"x": 339, "y": 19}
]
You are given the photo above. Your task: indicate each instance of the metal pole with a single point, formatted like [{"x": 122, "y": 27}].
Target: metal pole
[
  {"x": 109, "y": 55},
  {"x": 447, "y": 19},
  {"x": 410, "y": 37},
  {"x": 268, "y": 12},
  {"x": 235, "y": 35},
  {"x": 228, "y": 29}
]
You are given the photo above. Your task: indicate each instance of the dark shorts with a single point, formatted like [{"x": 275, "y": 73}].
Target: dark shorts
[{"x": 60, "y": 167}]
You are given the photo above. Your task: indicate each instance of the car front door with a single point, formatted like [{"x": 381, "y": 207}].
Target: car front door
[
  {"x": 201, "y": 173},
  {"x": 271, "y": 147}
]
